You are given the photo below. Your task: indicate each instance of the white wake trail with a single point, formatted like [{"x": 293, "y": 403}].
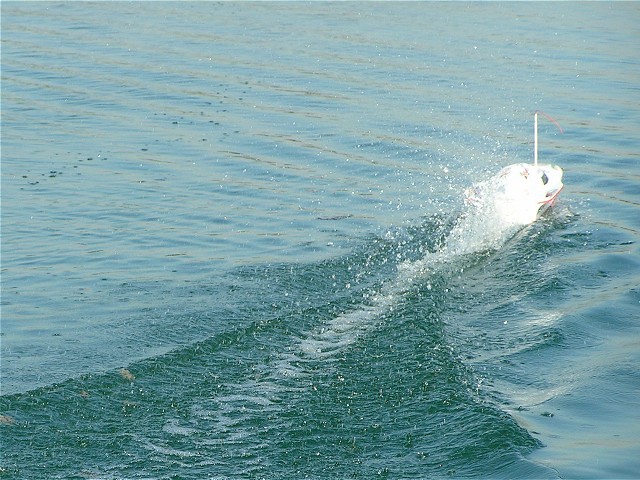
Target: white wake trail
[{"x": 495, "y": 210}]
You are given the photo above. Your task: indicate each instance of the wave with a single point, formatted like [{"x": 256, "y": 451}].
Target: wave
[{"x": 347, "y": 367}]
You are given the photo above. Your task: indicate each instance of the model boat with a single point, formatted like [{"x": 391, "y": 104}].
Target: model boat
[{"x": 520, "y": 192}]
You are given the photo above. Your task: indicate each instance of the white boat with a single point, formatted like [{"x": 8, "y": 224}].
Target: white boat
[{"x": 520, "y": 192}]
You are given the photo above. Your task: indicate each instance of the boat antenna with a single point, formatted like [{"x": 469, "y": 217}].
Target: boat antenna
[
  {"x": 535, "y": 134},
  {"x": 535, "y": 139}
]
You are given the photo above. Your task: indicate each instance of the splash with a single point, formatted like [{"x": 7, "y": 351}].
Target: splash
[
  {"x": 499, "y": 208},
  {"x": 495, "y": 210}
]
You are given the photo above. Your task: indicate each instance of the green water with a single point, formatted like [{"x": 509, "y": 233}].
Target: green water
[{"x": 225, "y": 233}]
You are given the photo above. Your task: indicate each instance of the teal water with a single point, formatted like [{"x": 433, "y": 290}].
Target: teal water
[{"x": 224, "y": 232}]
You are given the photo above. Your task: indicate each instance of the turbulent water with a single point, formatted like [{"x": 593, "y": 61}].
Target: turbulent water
[{"x": 234, "y": 243}]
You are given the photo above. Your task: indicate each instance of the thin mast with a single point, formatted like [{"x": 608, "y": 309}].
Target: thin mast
[
  {"x": 535, "y": 133},
  {"x": 535, "y": 139}
]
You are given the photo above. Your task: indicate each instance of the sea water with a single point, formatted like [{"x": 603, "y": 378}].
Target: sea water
[{"x": 234, "y": 243}]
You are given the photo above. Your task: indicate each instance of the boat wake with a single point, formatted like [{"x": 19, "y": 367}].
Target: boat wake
[
  {"x": 495, "y": 209},
  {"x": 311, "y": 352}
]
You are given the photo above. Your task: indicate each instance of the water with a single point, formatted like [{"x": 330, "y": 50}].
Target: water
[{"x": 227, "y": 239}]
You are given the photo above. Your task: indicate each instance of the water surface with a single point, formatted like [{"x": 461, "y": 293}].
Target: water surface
[{"x": 222, "y": 232}]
